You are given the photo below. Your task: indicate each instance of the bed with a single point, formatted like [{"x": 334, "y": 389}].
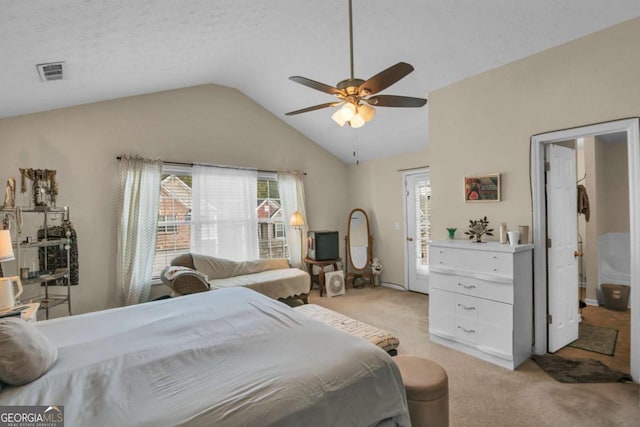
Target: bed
[{"x": 231, "y": 357}]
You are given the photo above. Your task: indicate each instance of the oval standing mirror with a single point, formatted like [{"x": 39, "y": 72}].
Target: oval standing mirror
[{"x": 359, "y": 239}]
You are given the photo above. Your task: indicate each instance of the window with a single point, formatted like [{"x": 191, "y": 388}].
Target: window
[
  {"x": 174, "y": 215},
  {"x": 173, "y": 235},
  {"x": 423, "y": 215},
  {"x": 167, "y": 224},
  {"x": 272, "y": 241}
]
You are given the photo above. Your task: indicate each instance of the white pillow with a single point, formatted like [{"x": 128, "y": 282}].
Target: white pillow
[{"x": 25, "y": 352}]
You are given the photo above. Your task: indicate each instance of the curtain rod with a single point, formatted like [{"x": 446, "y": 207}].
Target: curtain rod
[
  {"x": 412, "y": 169},
  {"x": 224, "y": 166}
]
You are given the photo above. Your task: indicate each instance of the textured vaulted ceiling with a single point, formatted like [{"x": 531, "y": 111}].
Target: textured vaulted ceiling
[{"x": 116, "y": 48}]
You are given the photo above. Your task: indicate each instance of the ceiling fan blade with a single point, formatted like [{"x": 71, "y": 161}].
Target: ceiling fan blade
[
  {"x": 316, "y": 85},
  {"x": 385, "y": 78},
  {"x": 396, "y": 101},
  {"x": 315, "y": 107}
]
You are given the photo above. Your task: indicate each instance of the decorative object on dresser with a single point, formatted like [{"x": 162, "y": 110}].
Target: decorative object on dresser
[
  {"x": 513, "y": 237},
  {"x": 524, "y": 234},
  {"x": 481, "y": 299},
  {"x": 358, "y": 247},
  {"x": 484, "y": 188},
  {"x": 503, "y": 233},
  {"x": 478, "y": 228},
  {"x": 452, "y": 232}
]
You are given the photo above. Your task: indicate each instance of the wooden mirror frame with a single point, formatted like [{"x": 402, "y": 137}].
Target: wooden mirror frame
[{"x": 350, "y": 269}]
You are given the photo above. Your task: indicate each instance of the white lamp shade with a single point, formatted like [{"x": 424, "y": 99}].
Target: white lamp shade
[
  {"x": 337, "y": 117},
  {"x": 366, "y": 112},
  {"x": 6, "y": 250},
  {"x": 347, "y": 111},
  {"x": 357, "y": 121},
  {"x": 296, "y": 219}
]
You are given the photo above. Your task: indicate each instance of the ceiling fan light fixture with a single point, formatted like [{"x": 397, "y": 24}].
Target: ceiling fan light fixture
[
  {"x": 359, "y": 96},
  {"x": 357, "y": 121},
  {"x": 337, "y": 117},
  {"x": 366, "y": 112},
  {"x": 347, "y": 111}
]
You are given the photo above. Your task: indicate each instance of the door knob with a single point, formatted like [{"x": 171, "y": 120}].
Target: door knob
[
  {"x": 409, "y": 239},
  {"x": 577, "y": 254}
]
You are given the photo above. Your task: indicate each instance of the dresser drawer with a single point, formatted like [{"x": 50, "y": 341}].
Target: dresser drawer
[
  {"x": 442, "y": 317},
  {"x": 486, "y": 262},
  {"x": 498, "y": 291},
  {"x": 467, "y": 331},
  {"x": 467, "y": 307}
]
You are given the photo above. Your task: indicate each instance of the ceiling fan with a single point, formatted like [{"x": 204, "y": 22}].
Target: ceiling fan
[{"x": 356, "y": 95}]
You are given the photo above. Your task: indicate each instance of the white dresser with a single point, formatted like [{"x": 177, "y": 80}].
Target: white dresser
[{"x": 481, "y": 299}]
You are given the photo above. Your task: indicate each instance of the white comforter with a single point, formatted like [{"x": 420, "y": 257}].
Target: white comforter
[{"x": 231, "y": 357}]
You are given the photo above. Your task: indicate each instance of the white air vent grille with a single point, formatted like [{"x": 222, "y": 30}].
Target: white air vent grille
[{"x": 50, "y": 71}]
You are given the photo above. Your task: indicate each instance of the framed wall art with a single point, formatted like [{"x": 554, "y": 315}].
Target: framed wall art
[{"x": 482, "y": 188}]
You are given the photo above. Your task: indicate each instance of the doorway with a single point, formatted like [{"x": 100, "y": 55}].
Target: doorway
[
  {"x": 417, "y": 190},
  {"x": 538, "y": 145},
  {"x": 598, "y": 252}
]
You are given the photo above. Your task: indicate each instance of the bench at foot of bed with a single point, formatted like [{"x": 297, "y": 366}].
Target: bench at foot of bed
[{"x": 377, "y": 336}]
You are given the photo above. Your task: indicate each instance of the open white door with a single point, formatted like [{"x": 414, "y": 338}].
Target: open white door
[
  {"x": 418, "y": 230},
  {"x": 562, "y": 230}
]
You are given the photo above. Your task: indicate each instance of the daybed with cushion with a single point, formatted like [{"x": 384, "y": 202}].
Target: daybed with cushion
[
  {"x": 227, "y": 358},
  {"x": 191, "y": 273}
]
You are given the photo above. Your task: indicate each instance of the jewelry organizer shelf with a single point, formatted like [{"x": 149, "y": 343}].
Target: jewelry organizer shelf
[{"x": 47, "y": 276}]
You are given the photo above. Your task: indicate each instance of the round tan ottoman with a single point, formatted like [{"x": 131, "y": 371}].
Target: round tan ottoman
[{"x": 427, "y": 388}]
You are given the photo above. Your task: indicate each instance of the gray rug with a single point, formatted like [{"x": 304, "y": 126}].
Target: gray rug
[
  {"x": 578, "y": 370},
  {"x": 596, "y": 339}
]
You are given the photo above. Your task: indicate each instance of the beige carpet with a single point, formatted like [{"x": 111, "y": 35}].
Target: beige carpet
[{"x": 482, "y": 394}]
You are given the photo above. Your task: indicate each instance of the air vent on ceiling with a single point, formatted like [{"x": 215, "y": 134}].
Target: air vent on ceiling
[{"x": 50, "y": 71}]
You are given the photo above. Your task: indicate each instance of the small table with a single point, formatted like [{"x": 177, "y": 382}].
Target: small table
[{"x": 321, "y": 265}]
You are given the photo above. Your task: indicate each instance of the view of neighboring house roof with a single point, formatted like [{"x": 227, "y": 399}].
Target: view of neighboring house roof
[
  {"x": 175, "y": 187},
  {"x": 268, "y": 210}
]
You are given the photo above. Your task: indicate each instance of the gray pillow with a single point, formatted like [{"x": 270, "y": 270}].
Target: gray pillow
[{"x": 25, "y": 353}]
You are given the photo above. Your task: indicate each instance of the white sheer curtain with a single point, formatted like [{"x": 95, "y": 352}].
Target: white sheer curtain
[
  {"x": 137, "y": 222},
  {"x": 291, "y": 188},
  {"x": 224, "y": 221}
]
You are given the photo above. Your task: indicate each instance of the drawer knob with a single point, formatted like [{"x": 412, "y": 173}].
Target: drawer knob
[
  {"x": 467, "y": 331},
  {"x": 467, "y": 286},
  {"x": 466, "y": 308}
]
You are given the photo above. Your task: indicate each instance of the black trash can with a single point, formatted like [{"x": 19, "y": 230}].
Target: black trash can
[{"x": 616, "y": 297}]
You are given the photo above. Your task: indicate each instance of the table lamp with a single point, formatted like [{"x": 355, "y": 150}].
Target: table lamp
[{"x": 7, "y": 296}]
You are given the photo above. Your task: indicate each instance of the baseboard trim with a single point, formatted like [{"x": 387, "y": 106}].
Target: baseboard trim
[
  {"x": 591, "y": 301},
  {"x": 392, "y": 286}
]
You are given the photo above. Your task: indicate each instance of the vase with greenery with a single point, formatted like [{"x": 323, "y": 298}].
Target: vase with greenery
[{"x": 478, "y": 228}]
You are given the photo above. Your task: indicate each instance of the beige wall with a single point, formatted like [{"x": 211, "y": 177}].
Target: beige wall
[
  {"x": 376, "y": 187},
  {"x": 615, "y": 190},
  {"x": 209, "y": 124},
  {"x": 483, "y": 124}
]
